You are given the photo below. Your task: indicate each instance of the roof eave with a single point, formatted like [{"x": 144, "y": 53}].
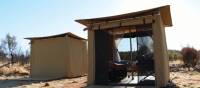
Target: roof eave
[
  {"x": 164, "y": 10},
  {"x": 55, "y": 36}
]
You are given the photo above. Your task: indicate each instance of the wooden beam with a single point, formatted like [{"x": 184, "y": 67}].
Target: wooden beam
[{"x": 123, "y": 23}]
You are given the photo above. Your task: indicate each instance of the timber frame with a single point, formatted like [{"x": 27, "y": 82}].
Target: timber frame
[{"x": 156, "y": 18}]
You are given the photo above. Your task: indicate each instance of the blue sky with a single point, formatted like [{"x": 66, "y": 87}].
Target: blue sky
[{"x": 26, "y": 18}]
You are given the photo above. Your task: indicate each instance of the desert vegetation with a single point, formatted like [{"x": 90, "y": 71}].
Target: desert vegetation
[
  {"x": 185, "y": 67},
  {"x": 11, "y": 52}
]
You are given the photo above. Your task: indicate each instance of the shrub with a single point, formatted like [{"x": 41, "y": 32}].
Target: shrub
[{"x": 189, "y": 56}]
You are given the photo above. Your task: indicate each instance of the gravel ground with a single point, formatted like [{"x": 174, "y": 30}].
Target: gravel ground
[
  {"x": 186, "y": 79},
  {"x": 181, "y": 77}
]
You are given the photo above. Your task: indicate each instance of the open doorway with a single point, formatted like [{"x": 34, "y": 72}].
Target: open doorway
[
  {"x": 127, "y": 57},
  {"x": 132, "y": 60}
]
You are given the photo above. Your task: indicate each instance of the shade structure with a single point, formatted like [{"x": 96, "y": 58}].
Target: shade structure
[
  {"x": 58, "y": 56},
  {"x": 142, "y": 23},
  {"x": 164, "y": 11}
]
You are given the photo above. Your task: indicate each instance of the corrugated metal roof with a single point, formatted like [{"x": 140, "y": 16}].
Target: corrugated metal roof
[{"x": 58, "y": 35}]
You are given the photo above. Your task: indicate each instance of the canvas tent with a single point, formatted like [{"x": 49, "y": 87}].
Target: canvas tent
[
  {"x": 150, "y": 22},
  {"x": 58, "y": 56}
]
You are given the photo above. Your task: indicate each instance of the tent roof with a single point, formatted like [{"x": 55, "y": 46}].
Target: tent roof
[
  {"x": 164, "y": 11},
  {"x": 58, "y": 35}
]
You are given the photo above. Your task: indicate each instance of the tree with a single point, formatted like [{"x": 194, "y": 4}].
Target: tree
[
  {"x": 190, "y": 57},
  {"x": 2, "y": 54},
  {"x": 22, "y": 57},
  {"x": 9, "y": 44}
]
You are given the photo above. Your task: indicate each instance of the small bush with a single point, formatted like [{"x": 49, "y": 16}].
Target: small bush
[{"x": 190, "y": 57}]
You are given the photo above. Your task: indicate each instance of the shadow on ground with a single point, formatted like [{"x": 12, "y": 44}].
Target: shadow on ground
[{"x": 10, "y": 83}]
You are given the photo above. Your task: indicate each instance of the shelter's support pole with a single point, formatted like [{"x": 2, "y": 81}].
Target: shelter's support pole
[
  {"x": 138, "y": 73},
  {"x": 160, "y": 53},
  {"x": 131, "y": 56},
  {"x": 91, "y": 57}
]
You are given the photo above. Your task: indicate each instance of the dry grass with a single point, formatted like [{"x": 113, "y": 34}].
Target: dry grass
[
  {"x": 184, "y": 78},
  {"x": 16, "y": 69}
]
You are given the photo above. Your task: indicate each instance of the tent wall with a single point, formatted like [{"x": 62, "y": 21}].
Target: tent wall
[
  {"x": 77, "y": 56},
  {"x": 48, "y": 58}
]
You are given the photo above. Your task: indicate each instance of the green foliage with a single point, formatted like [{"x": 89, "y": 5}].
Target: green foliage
[{"x": 174, "y": 55}]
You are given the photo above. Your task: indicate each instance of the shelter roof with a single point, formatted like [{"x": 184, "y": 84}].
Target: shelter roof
[
  {"x": 58, "y": 35},
  {"x": 163, "y": 10}
]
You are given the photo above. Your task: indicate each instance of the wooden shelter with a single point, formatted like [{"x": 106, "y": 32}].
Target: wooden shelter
[
  {"x": 136, "y": 23},
  {"x": 58, "y": 56}
]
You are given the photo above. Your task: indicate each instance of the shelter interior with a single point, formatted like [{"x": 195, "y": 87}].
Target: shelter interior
[{"x": 133, "y": 67}]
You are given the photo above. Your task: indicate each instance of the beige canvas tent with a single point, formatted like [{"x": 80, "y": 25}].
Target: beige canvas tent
[
  {"x": 150, "y": 22},
  {"x": 58, "y": 56}
]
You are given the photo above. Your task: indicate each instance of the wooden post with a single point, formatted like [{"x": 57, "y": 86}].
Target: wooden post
[
  {"x": 91, "y": 58},
  {"x": 160, "y": 53}
]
